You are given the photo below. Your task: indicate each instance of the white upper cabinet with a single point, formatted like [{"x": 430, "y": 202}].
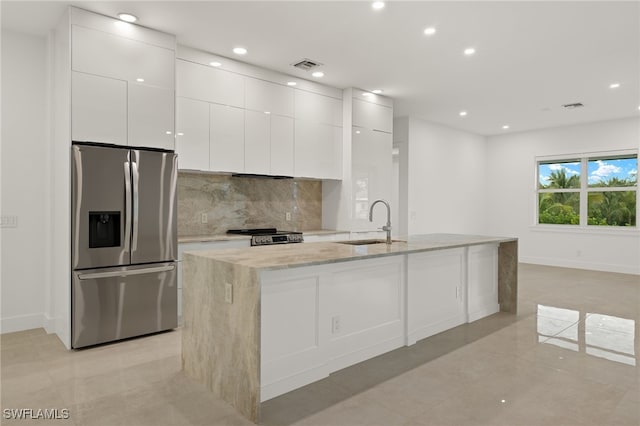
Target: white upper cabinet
[
  {"x": 151, "y": 116},
  {"x": 269, "y": 97},
  {"x": 192, "y": 134},
  {"x": 209, "y": 84},
  {"x": 372, "y": 116},
  {"x": 371, "y": 171},
  {"x": 257, "y": 154},
  {"x": 98, "y": 109},
  {"x": 282, "y": 146},
  {"x": 109, "y": 55},
  {"x": 318, "y": 108},
  {"x": 123, "y": 84},
  {"x": 226, "y": 138},
  {"x": 318, "y": 150}
]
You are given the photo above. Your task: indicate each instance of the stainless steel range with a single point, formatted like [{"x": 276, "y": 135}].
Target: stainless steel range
[{"x": 268, "y": 236}]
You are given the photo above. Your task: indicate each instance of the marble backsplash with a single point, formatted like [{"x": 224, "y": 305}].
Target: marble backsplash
[{"x": 246, "y": 202}]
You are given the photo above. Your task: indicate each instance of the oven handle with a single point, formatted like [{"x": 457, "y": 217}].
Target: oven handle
[{"x": 111, "y": 274}]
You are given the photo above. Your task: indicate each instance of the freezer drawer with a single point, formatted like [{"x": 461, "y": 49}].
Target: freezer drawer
[{"x": 115, "y": 303}]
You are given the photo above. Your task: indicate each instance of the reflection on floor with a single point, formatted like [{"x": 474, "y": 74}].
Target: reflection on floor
[{"x": 570, "y": 357}]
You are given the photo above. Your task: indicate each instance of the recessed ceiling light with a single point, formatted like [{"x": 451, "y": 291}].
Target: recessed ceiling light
[
  {"x": 376, "y": 91},
  {"x": 267, "y": 112},
  {"x": 180, "y": 134},
  {"x": 614, "y": 85},
  {"x": 377, "y": 5},
  {"x": 291, "y": 83},
  {"x": 367, "y": 94},
  {"x": 469, "y": 51},
  {"x": 357, "y": 132},
  {"x": 127, "y": 17},
  {"x": 140, "y": 80},
  {"x": 215, "y": 64},
  {"x": 239, "y": 50},
  {"x": 505, "y": 127},
  {"x": 429, "y": 31},
  {"x": 318, "y": 74},
  {"x": 168, "y": 132},
  {"x": 463, "y": 113}
]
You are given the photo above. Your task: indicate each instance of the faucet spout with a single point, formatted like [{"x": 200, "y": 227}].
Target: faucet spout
[{"x": 387, "y": 227}]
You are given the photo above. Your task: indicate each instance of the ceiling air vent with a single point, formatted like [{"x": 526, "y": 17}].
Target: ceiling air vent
[
  {"x": 306, "y": 64},
  {"x": 573, "y": 106}
]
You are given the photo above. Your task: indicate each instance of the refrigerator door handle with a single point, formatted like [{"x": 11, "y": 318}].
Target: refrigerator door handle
[
  {"x": 95, "y": 275},
  {"x": 136, "y": 178},
  {"x": 127, "y": 190}
]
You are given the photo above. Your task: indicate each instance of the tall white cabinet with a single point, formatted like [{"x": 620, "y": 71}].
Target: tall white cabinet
[
  {"x": 367, "y": 172},
  {"x": 122, "y": 83}
]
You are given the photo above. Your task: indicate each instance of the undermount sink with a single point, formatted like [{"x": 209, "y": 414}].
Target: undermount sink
[{"x": 367, "y": 242}]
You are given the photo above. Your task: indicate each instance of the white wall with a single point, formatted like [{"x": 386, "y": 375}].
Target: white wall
[
  {"x": 446, "y": 173},
  {"x": 25, "y": 177},
  {"x": 512, "y": 203}
]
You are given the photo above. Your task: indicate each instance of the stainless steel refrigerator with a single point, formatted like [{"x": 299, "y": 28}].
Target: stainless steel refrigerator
[{"x": 124, "y": 243}]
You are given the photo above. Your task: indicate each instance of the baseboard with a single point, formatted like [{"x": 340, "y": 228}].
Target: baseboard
[
  {"x": 48, "y": 323},
  {"x": 419, "y": 333},
  {"x": 21, "y": 323},
  {"x": 576, "y": 264}
]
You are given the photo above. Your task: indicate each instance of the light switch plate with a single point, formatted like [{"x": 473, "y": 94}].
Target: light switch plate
[
  {"x": 228, "y": 292},
  {"x": 9, "y": 221}
]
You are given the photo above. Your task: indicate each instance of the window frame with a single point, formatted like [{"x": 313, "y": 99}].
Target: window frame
[{"x": 584, "y": 190}]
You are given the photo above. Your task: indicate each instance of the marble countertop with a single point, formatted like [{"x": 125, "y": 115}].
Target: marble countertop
[
  {"x": 229, "y": 237},
  {"x": 307, "y": 254}
]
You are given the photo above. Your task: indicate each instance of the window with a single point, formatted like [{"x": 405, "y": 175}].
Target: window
[{"x": 598, "y": 190}]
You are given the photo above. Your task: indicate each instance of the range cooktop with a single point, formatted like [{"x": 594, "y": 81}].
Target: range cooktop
[{"x": 268, "y": 236}]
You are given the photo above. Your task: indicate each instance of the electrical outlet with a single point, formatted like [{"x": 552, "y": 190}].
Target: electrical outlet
[
  {"x": 287, "y": 216},
  {"x": 228, "y": 292},
  {"x": 204, "y": 218},
  {"x": 335, "y": 325}
]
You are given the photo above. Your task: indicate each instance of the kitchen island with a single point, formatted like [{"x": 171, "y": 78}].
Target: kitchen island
[{"x": 261, "y": 321}]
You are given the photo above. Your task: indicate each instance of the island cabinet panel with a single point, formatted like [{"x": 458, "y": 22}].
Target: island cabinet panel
[
  {"x": 436, "y": 287},
  {"x": 292, "y": 353},
  {"x": 317, "y": 320},
  {"x": 482, "y": 281},
  {"x": 365, "y": 311}
]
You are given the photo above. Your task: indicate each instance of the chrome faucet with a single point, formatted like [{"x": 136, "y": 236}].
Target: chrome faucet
[{"x": 387, "y": 227}]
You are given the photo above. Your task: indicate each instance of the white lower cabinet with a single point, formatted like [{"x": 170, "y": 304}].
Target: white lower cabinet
[
  {"x": 319, "y": 238},
  {"x": 317, "y": 320},
  {"x": 435, "y": 292},
  {"x": 482, "y": 281}
]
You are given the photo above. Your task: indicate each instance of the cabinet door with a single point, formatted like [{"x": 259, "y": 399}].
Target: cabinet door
[
  {"x": 98, "y": 109},
  {"x": 318, "y": 108},
  {"x": 372, "y": 116},
  {"x": 226, "y": 138},
  {"x": 281, "y": 145},
  {"x": 483, "y": 281},
  {"x": 151, "y": 116},
  {"x": 257, "y": 149},
  {"x": 109, "y": 55},
  {"x": 209, "y": 84},
  {"x": 192, "y": 134},
  {"x": 264, "y": 96},
  {"x": 318, "y": 150},
  {"x": 435, "y": 292},
  {"x": 372, "y": 173}
]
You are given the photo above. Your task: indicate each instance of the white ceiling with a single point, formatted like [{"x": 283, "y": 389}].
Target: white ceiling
[{"x": 531, "y": 58}]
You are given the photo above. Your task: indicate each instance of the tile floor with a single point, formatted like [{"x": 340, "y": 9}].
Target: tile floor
[{"x": 570, "y": 357}]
